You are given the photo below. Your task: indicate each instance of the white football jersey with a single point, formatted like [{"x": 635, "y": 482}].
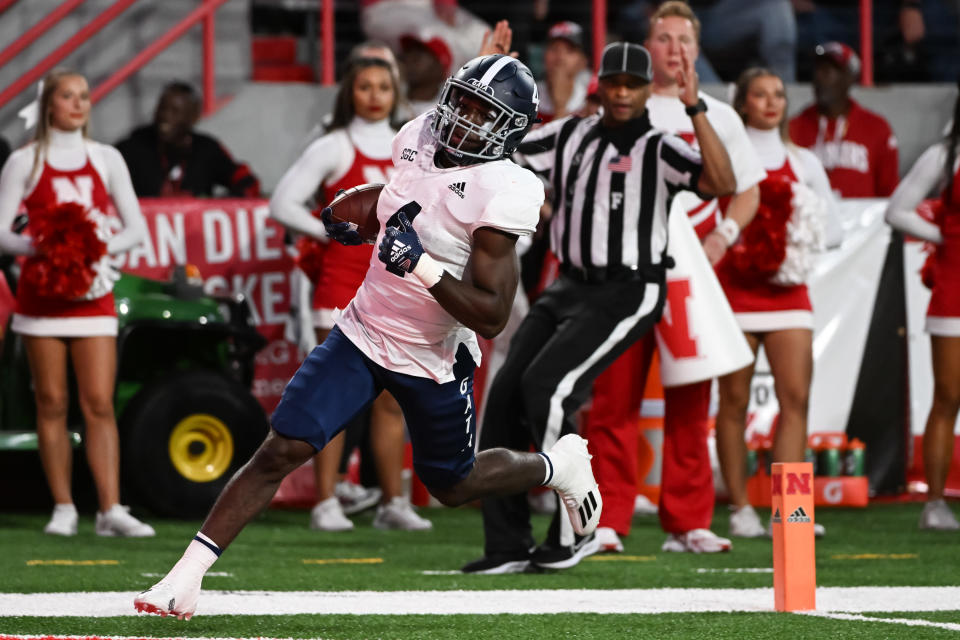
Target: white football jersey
[{"x": 395, "y": 321}]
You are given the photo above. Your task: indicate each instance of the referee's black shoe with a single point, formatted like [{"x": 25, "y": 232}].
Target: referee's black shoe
[
  {"x": 500, "y": 563},
  {"x": 547, "y": 556}
]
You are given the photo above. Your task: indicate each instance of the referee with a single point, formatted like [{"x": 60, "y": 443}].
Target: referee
[{"x": 613, "y": 177}]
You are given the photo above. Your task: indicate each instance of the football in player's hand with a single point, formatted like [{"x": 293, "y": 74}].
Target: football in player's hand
[{"x": 358, "y": 205}]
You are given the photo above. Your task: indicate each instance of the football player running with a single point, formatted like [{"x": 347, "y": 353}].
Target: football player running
[{"x": 445, "y": 268}]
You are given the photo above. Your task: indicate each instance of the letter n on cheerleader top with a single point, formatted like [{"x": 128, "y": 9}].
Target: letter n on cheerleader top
[{"x": 56, "y": 186}]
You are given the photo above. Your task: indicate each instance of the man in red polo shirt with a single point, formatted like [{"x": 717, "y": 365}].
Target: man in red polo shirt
[{"x": 856, "y": 146}]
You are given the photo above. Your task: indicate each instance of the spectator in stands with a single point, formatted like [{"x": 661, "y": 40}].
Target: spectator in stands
[
  {"x": 425, "y": 63},
  {"x": 170, "y": 158},
  {"x": 914, "y": 40},
  {"x": 356, "y": 149},
  {"x": 936, "y": 171},
  {"x": 563, "y": 89},
  {"x": 856, "y": 146},
  {"x": 460, "y": 31},
  {"x": 771, "y": 302},
  {"x": 736, "y": 31},
  {"x": 62, "y": 165}
]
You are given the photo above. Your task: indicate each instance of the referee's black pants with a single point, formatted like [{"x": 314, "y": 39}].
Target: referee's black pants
[{"x": 572, "y": 333}]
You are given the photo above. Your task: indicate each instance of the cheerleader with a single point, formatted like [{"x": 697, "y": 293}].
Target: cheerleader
[
  {"x": 63, "y": 165},
  {"x": 936, "y": 172},
  {"x": 769, "y": 296},
  {"x": 355, "y": 150}
]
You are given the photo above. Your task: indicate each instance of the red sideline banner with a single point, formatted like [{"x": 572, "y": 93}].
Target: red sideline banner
[{"x": 238, "y": 248}]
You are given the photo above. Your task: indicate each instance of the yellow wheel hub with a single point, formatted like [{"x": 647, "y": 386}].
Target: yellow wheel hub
[{"x": 201, "y": 447}]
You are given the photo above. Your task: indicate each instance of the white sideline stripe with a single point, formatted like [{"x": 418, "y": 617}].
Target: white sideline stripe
[
  {"x": 208, "y": 574},
  {"x": 835, "y": 599},
  {"x": 96, "y": 637},
  {"x": 911, "y": 622}
]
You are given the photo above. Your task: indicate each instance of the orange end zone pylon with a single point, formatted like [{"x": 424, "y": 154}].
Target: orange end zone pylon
[{"x": 794, "y": 553}]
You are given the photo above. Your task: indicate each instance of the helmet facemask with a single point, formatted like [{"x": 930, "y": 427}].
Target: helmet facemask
[{"x": 464, "y": 138}]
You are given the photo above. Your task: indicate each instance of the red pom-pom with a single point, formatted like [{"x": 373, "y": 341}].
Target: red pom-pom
[
  {"x": 763, "y": 243},
  {"x": 67, "y": 246},
  {"x": 310, "y": 257}
]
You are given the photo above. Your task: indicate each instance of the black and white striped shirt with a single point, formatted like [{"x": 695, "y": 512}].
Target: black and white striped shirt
[{"x": 612, "y": 188}]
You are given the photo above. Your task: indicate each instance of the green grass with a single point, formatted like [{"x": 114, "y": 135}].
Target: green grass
[
  {"x": 735, "y": 626},
  {"x": 270, "y": 554}
]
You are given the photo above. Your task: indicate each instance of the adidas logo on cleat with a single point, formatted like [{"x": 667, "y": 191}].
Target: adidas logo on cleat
[
  {"x": 587, "y": 508},
  {"x": 457, "y": 188},
  {"x": 799, "y": 515}
]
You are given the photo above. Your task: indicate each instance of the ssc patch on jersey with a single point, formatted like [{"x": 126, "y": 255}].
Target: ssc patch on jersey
[{"x": 408, "y": 154}]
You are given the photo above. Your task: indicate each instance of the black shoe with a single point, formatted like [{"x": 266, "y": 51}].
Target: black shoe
[
  {"x": 499, "y": 563},
  {"x": 550, "y": 557}
]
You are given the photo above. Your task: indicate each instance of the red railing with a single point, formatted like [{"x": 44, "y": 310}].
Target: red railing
[
  {"x": 327, "y": 42},
  {"x": 204, "y": 13},
  {"x": 866, "y": 43},
  {"x": 36, "y": 30},
  {"x": 63, "y": 50}
]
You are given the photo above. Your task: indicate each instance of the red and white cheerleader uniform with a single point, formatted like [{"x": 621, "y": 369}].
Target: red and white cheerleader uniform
[
  {"x": 71, "y": 169},
  {"x": 758, "y": 303},
  {"x": 928, "y": 175},
  {"x": 344, "y": 158}
]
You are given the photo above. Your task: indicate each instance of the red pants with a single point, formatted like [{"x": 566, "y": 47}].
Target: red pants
[{"x": 686, "y": 485}]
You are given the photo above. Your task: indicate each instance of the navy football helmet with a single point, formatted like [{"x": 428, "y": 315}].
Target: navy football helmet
[{"x": 486, "y": 109}]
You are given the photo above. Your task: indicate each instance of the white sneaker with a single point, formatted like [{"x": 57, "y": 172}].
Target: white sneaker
[
  {"x": 328, "y": 516},
  {"x": 399, "y": 514},
  {"x": 608, "y": 540},
  {"x": 63, "y": 522},
  {"x": 936, "y": 515},
  {"x": 170, "y": 598},
  {"x": 117, "y": 522},
  {"x": 573, "y": 481},
  {"x": 696, "y": 541},
  {"x": 642, "y": 506},
  {"x": 745, "y": 523},
  {"x": 355, "y": 498}
]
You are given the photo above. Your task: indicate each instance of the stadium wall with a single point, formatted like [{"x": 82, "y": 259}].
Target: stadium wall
[{"x": 132, "y": 103}]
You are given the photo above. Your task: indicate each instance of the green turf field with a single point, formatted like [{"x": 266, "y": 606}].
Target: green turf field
[{"x": 878, "y": 546}]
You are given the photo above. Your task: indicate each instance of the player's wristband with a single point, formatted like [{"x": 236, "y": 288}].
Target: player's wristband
[
  {"x": 428, "y": 271},
  {"x": 729, "y": 230}
]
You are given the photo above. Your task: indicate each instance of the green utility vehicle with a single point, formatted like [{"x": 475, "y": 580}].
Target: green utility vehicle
[{"x": 186, "y": 416}]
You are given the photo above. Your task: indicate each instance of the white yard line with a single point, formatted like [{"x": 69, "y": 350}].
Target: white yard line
[
  {"x": 911, "y": 622},
  {"x": 736, "y": 570},
  {"x": 829, "y": 599}
]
